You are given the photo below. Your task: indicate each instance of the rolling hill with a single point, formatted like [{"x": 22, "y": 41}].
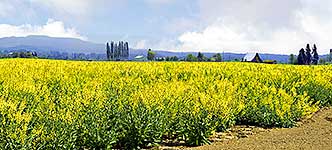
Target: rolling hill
[
  {"x": 56, "y": 46},
  {"x": 47, "y": 44}
]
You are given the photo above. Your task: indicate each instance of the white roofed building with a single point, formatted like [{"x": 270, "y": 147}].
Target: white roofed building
[
  {"x": 252, "y": 57},
  {"x": 140, "y": 58}
]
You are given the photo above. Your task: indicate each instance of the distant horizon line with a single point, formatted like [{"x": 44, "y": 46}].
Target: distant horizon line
[{"x": 154, "y": 49}]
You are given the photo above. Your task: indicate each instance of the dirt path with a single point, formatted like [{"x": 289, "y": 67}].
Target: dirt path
[{"x": 313, "y": 134}]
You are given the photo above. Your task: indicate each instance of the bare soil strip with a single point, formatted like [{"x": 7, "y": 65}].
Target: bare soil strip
[{"x": 311, "y": 134}]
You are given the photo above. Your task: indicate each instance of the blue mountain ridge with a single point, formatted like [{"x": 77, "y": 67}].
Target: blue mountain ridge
[{"x": 45, "y": 45}]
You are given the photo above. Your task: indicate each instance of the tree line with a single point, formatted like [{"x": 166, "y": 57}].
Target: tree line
[
  {"x": 151, "y": 56},
  {"x": 309, "y": 56},
  {"x": 53, "y": 55},
  {"x": 117, "y": 51},
  {"x": 21, "y": 54}
]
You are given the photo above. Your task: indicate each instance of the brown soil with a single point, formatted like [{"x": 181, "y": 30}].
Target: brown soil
[{"x": 311, "y": 134}]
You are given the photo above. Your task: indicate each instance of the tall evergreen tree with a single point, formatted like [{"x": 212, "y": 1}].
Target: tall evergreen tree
[
  {"x": 124, "y": 51},
  {"x": 308, "y": 57},
  {"x": 292, "y": 59},
  {"x": 151, "y": 55},
  {"x": 200, "y": 56},
  {"x": 108, "y": 51},
  {"x": 315, "y": 55},
  {"x": 127, "y": 49},
  {"x": 301, "y": 58},
  {"x": 330, "y": 56},
  {"x": 112, "y": 50},
  {"x": 121, "y": 49},
  {"x": 116, "y": 49}
]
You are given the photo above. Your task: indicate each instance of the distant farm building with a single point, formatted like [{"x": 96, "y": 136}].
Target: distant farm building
[
  {"x": 252, "y": 57},
  {"x": 140, "y": 58}
]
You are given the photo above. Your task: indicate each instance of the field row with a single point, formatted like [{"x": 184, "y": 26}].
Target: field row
[{"x": 48, "y": 104}]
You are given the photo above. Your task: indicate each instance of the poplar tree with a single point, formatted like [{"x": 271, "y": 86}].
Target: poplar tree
[
  {"x": 112, "y": 50},
  {"x": 108, "y": 51},
  {"x": 115, "y": 51},
  {"x": 315, "y": 55},
  {"x": 301, "y": 58},
  {"x": 127, "y": 49},
  {"x": 308, "y": 57}
]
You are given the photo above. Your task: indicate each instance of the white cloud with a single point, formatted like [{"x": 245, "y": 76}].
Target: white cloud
[
  {"x": 159, "y": 2},
  {"x": 271, "y": 26},
  {"x": 5, "y": 9},
  {"x": 163, "y": 44},
  {"x": 60, "y": 9},
  {"x": 72, "y": 7},
  {"x": 179, "y": 25},
  {"x": 262, "y": 26},
  {"x": 80, "y": 9},
  {"x": 51, "y": 28},
  {"x": 234, "y": 37},
  {"x": 140, "y": 44}
]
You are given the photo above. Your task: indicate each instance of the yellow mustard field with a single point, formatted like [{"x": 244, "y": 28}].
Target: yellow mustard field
[{"x": 51, "y": 104}]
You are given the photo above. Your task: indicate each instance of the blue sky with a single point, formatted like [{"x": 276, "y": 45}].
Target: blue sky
[{"x": 266, "y": 26}]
